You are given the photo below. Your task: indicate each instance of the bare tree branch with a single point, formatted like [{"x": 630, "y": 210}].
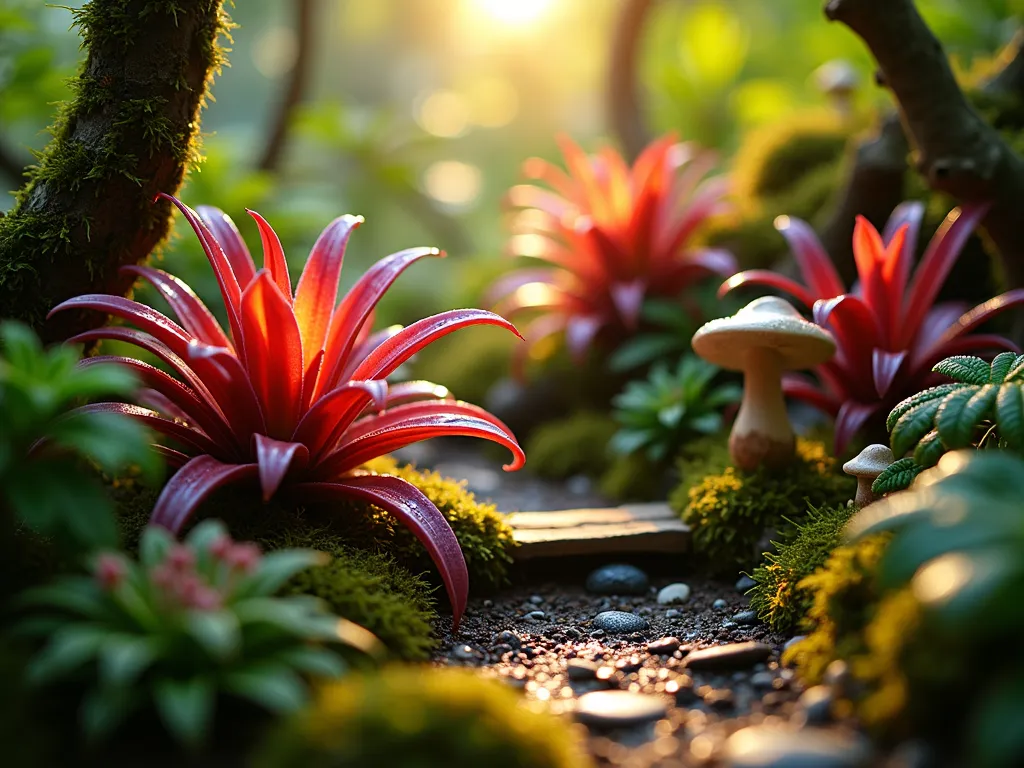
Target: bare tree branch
[
  {"x": 625, "y": 113},
  {"x": 955, "y": 150},
  {"x": 295, "y": 87}
]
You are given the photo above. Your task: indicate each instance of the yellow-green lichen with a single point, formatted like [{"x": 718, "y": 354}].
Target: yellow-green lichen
[
  {"x": 730, "y": 512},
  {"x": 406, "y": 717}
]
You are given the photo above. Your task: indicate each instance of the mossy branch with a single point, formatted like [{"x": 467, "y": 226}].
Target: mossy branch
[
  {"x": 955, "y": 150},
  {"x": 625, "y": 113},
  {"x": 130, "y": 131}
]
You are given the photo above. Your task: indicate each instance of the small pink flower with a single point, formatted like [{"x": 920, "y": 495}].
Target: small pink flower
[
  {"x": 162, "y": 577},
  {"x": 243, "y": 557},
  {"x": 221, "y": 547},
  {"x": 180, "y": 558},
  {"x": 110, "y": 571},
  {"x": 205, "y": 598}
]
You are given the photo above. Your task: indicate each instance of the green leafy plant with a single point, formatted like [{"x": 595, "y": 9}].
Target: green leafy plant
[
  {"x": 188, "y": 623},
  {"x": 658, "y": 414},
  {"x": 574, "y": 445},
  {"x": 408, "y": 717},
  {"x": 42, "y": 478},
  {"x": 983, "y": 406}
]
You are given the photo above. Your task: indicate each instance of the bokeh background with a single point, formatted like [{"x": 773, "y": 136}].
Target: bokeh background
[{"x": 418, "y": 114}]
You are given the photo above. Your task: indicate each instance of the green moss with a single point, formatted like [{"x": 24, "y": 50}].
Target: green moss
[
  {"x": 778, "y": 598},
  {"x": 576, "y": 445},
  {"x": 774, "y": 158},
  {"x": 729, "y": 512},
  {"x": 419, "y": 718}
]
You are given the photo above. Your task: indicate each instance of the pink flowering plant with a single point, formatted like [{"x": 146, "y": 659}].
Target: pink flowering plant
[
  {"x": 294, "y": 398},
  {"x": 186, "y": 624}
]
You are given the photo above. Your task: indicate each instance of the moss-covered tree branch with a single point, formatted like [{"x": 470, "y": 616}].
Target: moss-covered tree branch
[
  {"x": 129, "y": 132},
  {"x": 295, "y": 87},
  {"x": 625, "y": 112},
  {"x": 955, "y": 150}
]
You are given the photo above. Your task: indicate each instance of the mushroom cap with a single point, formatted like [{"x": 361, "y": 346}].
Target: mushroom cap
[
  {"x": 765, "y": 323},
  {"x": 870, "y": 462},
  {"x": 836, "y": 76}
]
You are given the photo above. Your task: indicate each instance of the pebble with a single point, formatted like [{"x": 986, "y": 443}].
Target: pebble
[
  {"x": 535, "y": 615},
  {"x": 719, "y": 604},
  {"x": 719, "y": 698},
  {"x": 816, "y": 704},
  {"x": 746, "y": 618},
  {"x": 674, "y": 593},
  {"x": 763, "y": 680},
  {"x": 761, "y": 746},
  {"x": 672, "y": 613},
  {"x": 463, "y": 653},
  {"x": 617, "y": 579},
  {"x": 619, "y": 622},
  {"x": 507, "y": 637},
  {"x": 616, "y": 709},
  {"x": 731, "y": 656},
  {"x": 744, "y": 584},
  {"x": 537, "y": 600},
  {"x": 581, "y": 669},
  {"x": 666, "y": 646}
]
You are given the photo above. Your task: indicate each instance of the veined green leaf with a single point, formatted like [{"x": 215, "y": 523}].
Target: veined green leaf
[
  {"x": 965, "y": 369},
  {"x": 1016, "y": 370},
  {"x": 1010, "y": 415},
  {"x": 1001, "y": 365},
  {"x": 915, "y": 424},
  {"x": 935, "y": 393},
  {"x": 896, "y": 477},
  {"x": 929, "y": 450},
  {"x": 961, "y": 413}
]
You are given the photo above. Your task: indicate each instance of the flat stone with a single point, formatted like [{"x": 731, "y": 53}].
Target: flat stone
[
  {"x": 535, "y": 616},
  {"x": 719, "y": 604},
  {"x": 581, "y": 669},
  {"x": 666, "y": 646},
  {"x": 617, "y": 579},
  {"x": 674, "y": 593},
  {"x": 619, "y": 709},
  {"x": 731, "y": 656},
  {"x": 672, "y": 613},
  {"x": 620, "y": 622},
  {"x": 760, "y": 746},
  {"x": 635, "y": 528}
]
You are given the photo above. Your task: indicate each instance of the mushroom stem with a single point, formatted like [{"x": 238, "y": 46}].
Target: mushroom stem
[
  {"x": 864, "y": 495},
  {"x": 762, "y": 434}
]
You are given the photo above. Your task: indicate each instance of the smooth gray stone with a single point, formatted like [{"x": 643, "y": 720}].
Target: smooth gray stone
[
  {"x": 620, "y": 622},
  {"x": 760, "y": 746},
  {"x": 618, "y": 709},
  {"x": 617, "y": 579},
  {"x": 731, "y": 656}
]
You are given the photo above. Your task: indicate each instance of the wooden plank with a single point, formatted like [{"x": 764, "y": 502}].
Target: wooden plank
[{"x": 631, "y": 529}]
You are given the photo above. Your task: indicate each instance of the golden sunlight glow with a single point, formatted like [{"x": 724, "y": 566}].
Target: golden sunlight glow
[
  {"x": 518, "y": 12},
  {"x": 535, "y": 295},
  {"x": 493, "y": 101},
  {"x": 443, "y": 113},
  {"x": 942, "y": 578},
  {"x": 533, "y": 246},
  {"x": 452, "y": 182}
]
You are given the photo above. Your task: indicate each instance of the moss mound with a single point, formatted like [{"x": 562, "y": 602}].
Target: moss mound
[
  {"x": 421, "y": 718},
  {"x": 778, "y": 598},
  {"x": 577, "y": 445},
  {"x": 729, "y": 512},
  {"x": 633, "y": 477}
]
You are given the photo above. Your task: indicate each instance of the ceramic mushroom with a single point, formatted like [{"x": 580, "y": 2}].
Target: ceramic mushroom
[
  {"x": 765, "y": 338},
  {"x": 839, "y": 80},
  {"x": 866, "y": 466}
]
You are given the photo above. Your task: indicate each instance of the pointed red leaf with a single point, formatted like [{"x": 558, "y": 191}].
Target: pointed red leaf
[
  {"x": 852, "y": 416},
  {"x": 352, "y": 453},
  {"x": 628, "y": 298},
  {"x": 384, "y": 360},
  {"x": 853, "y": 324},
  {"x": 174, "y": 459},
  {"x": 704, "y": 203},
  {"x": 159, "y": 402},
  {"x": 274, "y": 349},
  {"x": 275, "y": 458},
  {"x": 230, "y": 384},
  {"x": 871, "y": 257},
  {"x": 190, "y": 486},
  {"x": 983, "y": 313},
  {"x": 939, "y": 319},
  {"x": 273, "y": 256},
  {"x": 355, "y": 309},
  {"x": 906, "y": 215},
  {"x": 938, "y": 260},
  {"x": 770, "y": 279},
  {"x": 815, "y": 264},
  {"x": 412, "y": 391},
  {"x": 884, "y": 367},
  {"x": 146, "y": 319},
  {"x": 396, "y": 415},
  {"x": 508, "y": 284},
  {"x": 317, "y": 291},
  {"x": 190, "y": 437},
  {"x": 362, "y": 349},
  {"x": 416, "y": 512},
  {"x": 324, "y": 423},
  {"x": 580, "y": 332},
  {"x": 975, "y": 344},
  {"x": 191, "y": 312},
  {"x": 808, "y": 392},
  {"x": 226, "y": 233}
]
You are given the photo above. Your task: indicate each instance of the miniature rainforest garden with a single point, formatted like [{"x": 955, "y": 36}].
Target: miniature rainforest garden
[{"x": 536, "y": 383}]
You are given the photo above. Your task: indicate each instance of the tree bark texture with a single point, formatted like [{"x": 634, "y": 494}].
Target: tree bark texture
[{"x": 129, "y": 132}]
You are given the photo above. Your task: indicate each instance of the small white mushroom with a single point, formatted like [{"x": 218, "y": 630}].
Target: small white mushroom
[
  {"x": 866, "y": 466},
  {"x": 765, "y": 338},
  {"x": 839, "y": 80}
]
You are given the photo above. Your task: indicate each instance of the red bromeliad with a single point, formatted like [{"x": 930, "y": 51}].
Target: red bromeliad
[
  {"x": 613, "y": 236},
  {"x": 295, "y": 396},
  {"x": 888, "y": 330}
]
